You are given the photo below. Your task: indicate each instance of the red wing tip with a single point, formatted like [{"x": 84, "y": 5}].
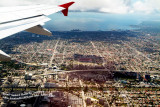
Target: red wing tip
[{"x": 67, "y": 5}]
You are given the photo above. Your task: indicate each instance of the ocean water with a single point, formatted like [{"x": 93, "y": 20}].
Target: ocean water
[{"x": 93, "y": 21}]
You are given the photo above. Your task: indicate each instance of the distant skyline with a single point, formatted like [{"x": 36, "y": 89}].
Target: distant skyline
[{"x": 93, "y": 21}]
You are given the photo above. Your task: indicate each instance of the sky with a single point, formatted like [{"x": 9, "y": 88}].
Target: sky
[{"x": 97, "y": 14}]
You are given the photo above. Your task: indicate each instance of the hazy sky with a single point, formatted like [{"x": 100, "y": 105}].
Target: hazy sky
[
  {"x": 91, "y": 21},
  {"x": 108, "y": 6}
]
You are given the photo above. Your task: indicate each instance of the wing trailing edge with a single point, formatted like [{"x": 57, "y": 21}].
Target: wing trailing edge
[{"x": 39, "y": 30}]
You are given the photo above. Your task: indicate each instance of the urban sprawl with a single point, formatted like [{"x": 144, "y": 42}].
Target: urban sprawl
[{"x": 81, "y": 69}]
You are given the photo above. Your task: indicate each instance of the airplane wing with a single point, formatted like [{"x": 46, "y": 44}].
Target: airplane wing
[{"x": 28, "y": 18}]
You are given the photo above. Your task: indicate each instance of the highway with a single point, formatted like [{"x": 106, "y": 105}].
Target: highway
[{"x": 54, "y": 51}]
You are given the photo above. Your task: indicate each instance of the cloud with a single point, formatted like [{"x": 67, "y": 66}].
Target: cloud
[
  {"x": 108, "y": 6},
  {"x": 14, "y": 2},
  {"x": 147, "y": 6}
]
